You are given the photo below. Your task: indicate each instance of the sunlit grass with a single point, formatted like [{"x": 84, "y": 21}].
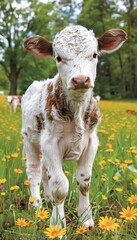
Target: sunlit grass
[{"x": 113, "y": 186}]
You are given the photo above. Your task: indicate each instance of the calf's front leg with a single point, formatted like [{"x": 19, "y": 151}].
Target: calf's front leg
[
  {"x": 57, "y": 182},
  {"x": 83, "y": 177}
]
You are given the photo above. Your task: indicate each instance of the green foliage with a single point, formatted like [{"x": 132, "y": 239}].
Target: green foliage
[{"x": 117, "y": 73}]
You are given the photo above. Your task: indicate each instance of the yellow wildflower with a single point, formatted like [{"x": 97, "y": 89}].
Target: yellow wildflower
[
  {"x": 119, "y": 189},
  {"x": 107, "y": 223},
  {"x": 23, "y": 158},
  {"x": 43, "y": 214},
  {"x": 21, "y": 222},
  {"x": 14, "y": 155},
  {"x": 116, "y": 178},
  {"x": 27, "y": 182},
  {"x": 17, "y": 170},
  {"x": 102, "y": 162},
  {"x": 81, "y": 229},
  {"x": 128, "y": 161},
  {"x": 109, "y": 150},
  {"x": 3, "y": 180},
  {"x": 54, "y": 231},
  {"x": 3, "y": 194},
  {"x": 123, "y": 165},
  {"x": 32, "y": 200},
  {"x": 14, "y": 188},
  {"x": 104, "y": 197},
  {"x": 103, "y": 179},
  {"x": 135, "y": 181},
  {"x": 133, "y": 199},
  {"x": 128, "y": 213}
]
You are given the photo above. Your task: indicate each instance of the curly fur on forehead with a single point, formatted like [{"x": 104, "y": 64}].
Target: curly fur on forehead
[{"x": 75, "y": 39}]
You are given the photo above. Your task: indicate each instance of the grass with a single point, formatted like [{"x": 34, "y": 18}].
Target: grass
[{"x": 117, "y": 156}]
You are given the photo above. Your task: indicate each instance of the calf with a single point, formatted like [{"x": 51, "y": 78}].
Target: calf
[
  {"x": 60, "y": 116},
  {"x": 13, "y": 102}
]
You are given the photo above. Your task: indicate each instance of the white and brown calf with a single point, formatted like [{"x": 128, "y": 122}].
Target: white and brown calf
[
  {"x": 13, "y": 102},
  {"x": 60, "y": 116}
]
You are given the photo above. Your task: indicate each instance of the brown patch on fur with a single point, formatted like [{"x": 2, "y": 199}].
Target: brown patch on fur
[
  {"x": 84, "y": 189},
  {"x": 40, "y": 122},
  {"x": 92, "y": 114},
  {"x": 87, "y": 179},
  {"x": 77, "y": 183},
  {"x": 58, "y": 197},
  {"x": 49, "y": 101},
  {"x": 82, "y": 175},
  {"x": 57, "y": 99}
]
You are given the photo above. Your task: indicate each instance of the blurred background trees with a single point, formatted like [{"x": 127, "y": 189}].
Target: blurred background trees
[{"x": 117, "y": 72}]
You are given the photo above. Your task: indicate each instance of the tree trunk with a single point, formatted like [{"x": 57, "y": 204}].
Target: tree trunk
[
  {"x": 13, "y": 77},
  {"x": 123, "y": 84}
]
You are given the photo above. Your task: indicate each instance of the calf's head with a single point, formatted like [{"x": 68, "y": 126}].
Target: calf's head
[{"x": 76, "y": 51}]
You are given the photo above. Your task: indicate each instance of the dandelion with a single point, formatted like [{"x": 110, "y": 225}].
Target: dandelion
[
  {"x": 128, "y": 213},
  {"x": 54, "y": 231},
  {"x": 119, "y": 189},
  {"x": 3, "y": 180},
  {"x": 133, "y": 199},
  {"x": 108, "y": 223},
  {"x": 116, "y": 178},
  {"x": 17, "y": 170},
  {"x": 81, "y": 229},
  {"x": 66, "y": 172},
  {"x": 135, "y": 181},
  {"x": 21, "y": 222},
  {"x": 43, "y": 214}
]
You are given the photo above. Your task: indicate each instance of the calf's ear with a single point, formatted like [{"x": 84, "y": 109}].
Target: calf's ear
[
  {"x": 111, "y": 40},
  {"x": 38, "y": 46}
]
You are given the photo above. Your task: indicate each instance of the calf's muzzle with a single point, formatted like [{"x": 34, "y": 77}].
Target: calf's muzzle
[{"x": 80, "y": 81}]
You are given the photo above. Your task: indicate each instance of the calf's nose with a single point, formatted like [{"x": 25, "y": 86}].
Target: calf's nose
[{"x": 80, "y": 81}]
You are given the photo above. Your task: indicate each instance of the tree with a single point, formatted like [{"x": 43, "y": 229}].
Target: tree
[
  {"x": 17, "y": 19},
  {"x": 117, "y": 73}
]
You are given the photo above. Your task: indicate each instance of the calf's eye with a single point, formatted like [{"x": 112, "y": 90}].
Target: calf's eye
[
  {"x": 59, "y": 59},
  {"x": 94, "y": 55}
]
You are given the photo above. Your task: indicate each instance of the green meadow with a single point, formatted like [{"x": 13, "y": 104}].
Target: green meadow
[{"x": 113, "y": 192}]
